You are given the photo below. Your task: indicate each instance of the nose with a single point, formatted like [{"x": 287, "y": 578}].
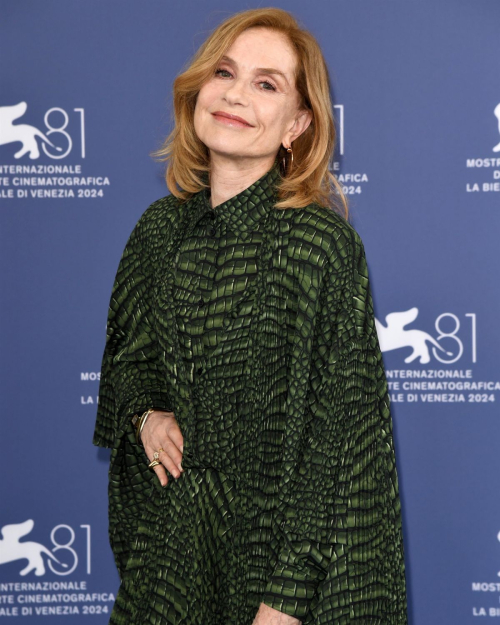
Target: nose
[{"x": 236, "y": 92}]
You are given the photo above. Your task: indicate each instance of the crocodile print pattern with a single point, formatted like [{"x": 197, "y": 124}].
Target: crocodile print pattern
[{"x": 256, "y": 327}]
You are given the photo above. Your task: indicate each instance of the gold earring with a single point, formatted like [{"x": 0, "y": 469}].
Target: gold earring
[{"x": 290, "y": 151}]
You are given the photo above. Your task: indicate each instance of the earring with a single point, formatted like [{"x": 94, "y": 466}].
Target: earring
[{"x": 290, "y": 151}]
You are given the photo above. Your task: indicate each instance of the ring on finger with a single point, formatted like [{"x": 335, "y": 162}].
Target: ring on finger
[{"x": 155, "y": 462}]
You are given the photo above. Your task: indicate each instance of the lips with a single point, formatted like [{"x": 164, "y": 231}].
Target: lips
[{"x": 231, "y": 117}]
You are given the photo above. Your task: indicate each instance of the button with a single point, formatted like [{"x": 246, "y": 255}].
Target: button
[
  {"x": 212, "y": 232},
  {"x": 201, "y": 302},
  {"x": 199, "y": 371}
]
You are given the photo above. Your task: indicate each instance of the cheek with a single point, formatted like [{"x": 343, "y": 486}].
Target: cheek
[
  {"x": 273, "y": 117},
  {"x": 206, "y": 95},
  {"x": 202, "y": 104},
  {"x": 205, "y": 102}
]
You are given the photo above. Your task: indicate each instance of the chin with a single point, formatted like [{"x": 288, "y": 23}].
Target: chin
[
  {"x": 227, "y": 153},
  {"x": 227, "y": 148}
]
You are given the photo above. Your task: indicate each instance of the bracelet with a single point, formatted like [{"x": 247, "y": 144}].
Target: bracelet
[
  {"x": 139, "y": 423},
  {"x": 142, "y": 423},
  {"x": 134, "y": 420}
]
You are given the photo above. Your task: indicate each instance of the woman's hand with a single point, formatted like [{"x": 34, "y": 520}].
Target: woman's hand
[
  {"x": 270, "y": 616},
  {"x": 162, "y": 431}
]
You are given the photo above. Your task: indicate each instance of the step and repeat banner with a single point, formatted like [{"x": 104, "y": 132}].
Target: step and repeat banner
[{"x": 85, "y": 97}]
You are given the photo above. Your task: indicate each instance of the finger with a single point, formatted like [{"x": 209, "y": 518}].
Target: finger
[
  {"x": 176, "y": 436},
  {"x": 173, "y": 464},
  {"x": 164, "y": 451},
  {"x": 161, "y": 474},
  {"x": 159, "y": 468},
  {"x": 174, "y": 453}
]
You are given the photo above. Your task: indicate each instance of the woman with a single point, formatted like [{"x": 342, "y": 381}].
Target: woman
[{"x": 242, "y": 359}]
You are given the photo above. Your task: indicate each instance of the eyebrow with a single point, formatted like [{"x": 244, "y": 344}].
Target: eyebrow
[{"x": 264, "y": 70}]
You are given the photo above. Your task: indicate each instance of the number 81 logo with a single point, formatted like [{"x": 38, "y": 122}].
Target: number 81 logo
[
  {"x": 66, "y": 550},
  {"x": 61, "y": 130}
]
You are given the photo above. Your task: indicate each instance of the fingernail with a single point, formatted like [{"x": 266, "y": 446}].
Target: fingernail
[
  {"x": 182, "y": 448},
  {"x": 180, "y": 467}
]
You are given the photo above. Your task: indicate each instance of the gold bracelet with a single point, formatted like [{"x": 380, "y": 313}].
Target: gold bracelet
[
  {"x": 139, "y": 424},
  {"x": 143, "y": 421},
  {"x": 135, "y": 419}
]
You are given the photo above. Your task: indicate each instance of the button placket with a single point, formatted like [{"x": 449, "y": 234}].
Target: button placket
[
  {"x": 204, "y": 299},
  {"x": 215, "y": 225},
  {"x": 212, "y": 230}
]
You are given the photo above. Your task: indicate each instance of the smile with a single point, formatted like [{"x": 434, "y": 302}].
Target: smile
[{"x": 229, "y": 121}]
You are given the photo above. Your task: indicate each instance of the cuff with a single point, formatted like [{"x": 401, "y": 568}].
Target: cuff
[{"x": 289, "y": 591}]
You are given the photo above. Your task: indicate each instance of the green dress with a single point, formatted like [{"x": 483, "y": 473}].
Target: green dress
[{"x": 255, "y": 326}]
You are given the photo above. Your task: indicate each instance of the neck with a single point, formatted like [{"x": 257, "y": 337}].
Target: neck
[{"x": 230, "y": 176}]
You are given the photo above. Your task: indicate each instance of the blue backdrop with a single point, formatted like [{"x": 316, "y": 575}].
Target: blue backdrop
[{"x": 417, "y": 98}]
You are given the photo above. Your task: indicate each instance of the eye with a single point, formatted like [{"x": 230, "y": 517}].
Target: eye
[
  {"x": 265, "y": 82},
  {"x": 220, "y": 70}
]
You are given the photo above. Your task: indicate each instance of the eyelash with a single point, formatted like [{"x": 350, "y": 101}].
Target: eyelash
[{"x": 262, "y": 81}]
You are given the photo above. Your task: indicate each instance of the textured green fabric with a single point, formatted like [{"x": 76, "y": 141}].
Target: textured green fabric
[{"x": 255, "y": 326}]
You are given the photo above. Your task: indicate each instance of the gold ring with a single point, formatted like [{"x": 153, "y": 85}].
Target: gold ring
[{"x": 153, "y": 464}]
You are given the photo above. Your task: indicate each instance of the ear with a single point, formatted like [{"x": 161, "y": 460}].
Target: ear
[{"x": 300, "y": 124}]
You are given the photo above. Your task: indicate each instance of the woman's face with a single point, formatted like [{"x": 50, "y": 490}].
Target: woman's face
[{"x": 244, "y": 85}]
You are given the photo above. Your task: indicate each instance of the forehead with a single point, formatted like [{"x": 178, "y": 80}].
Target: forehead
[{"x": 263, "y": 47}]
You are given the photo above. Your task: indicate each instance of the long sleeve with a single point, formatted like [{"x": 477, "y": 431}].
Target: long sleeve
[
  {"x": 132, "y": 378},
  {"x": 342, "y": 552}
]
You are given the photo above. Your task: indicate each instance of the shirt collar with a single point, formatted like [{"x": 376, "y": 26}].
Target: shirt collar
[{"x": 244, "y": 211}]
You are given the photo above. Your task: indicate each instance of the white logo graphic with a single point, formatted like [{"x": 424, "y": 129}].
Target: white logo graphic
[
  {"x": 496, "y": 113},
  {"x": 23, "y": 133},
  {"x": 11, "y": 549},
  {"x": 394, "y": 336}
]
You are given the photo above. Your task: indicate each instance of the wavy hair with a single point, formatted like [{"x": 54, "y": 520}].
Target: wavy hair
[{"x": 309, "y": 180}]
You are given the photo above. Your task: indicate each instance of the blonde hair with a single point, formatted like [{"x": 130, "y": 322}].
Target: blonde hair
[{"x": 309, "y": 179}]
